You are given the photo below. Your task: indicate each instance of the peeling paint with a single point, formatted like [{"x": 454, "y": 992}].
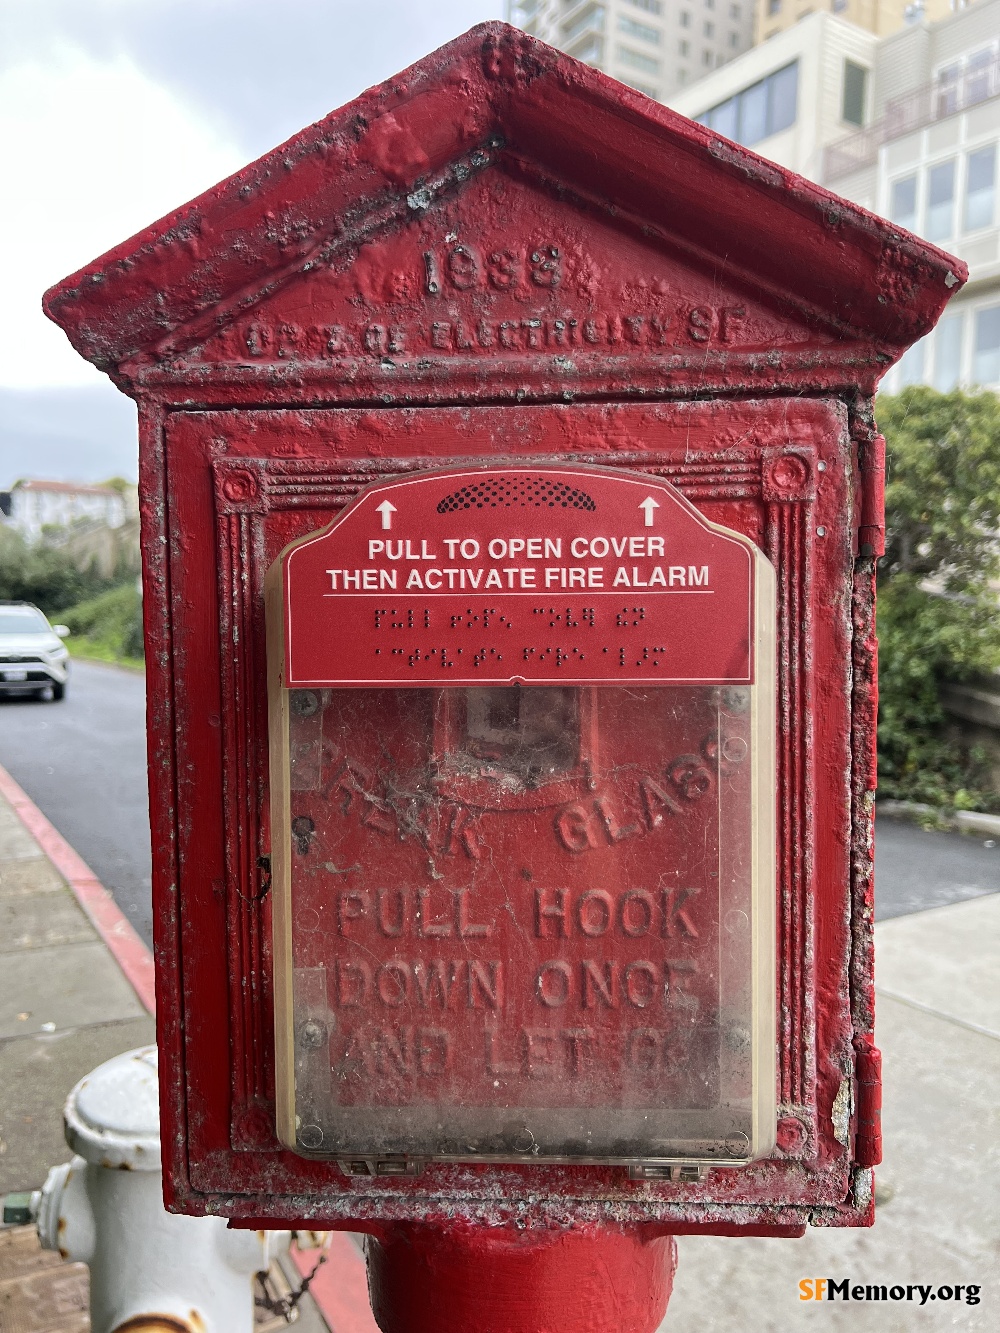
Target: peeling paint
[
  {"x": 364, "y": 302},
  {"x": 840, "y": 1116}
]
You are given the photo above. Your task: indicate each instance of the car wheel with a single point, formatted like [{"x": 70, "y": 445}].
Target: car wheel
[{"x": 58, "y": 691}]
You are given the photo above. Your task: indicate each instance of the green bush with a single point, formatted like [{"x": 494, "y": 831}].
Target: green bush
[
  {"x": 108, "y": 626},
  {"x": 43, "y": 575},
  {"x": 937, "y": 587}
]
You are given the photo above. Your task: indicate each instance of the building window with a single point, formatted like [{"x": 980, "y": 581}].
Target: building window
[
  {"x": 911, "y": 368},
  {"x": 759, "y": 111},
  {"x": 947, "y": 89},
  {"x": 682, "y": 76},
  {"x": 855, "y": 86},
  {"x": 592, "y": 22},
  {"x": 709, "y": 29},
  {"x": 646, "y": 88},
  {"x": 903, "y": 202},
  {"x": 734, "y": 11},
  {"x": 774, "y": 6},
  {"x": 637, "y": 60},
  {"x": 592, "y": 50},
  {"x": 641, "y": 30},
  {"x": 941, "y": 201},
  {"x": 948, "y": 353},
  {"x": 980, "y": 76},
  {"x": 734, "y": 40},
  {"x": 980, "y": 188},
  {"x": 650, "y": 6},
  {"x": 838, "y": 6},
  {"x": 709, "y": 4},
  {"x": 706, "y": 58},
  {"x": 684, "y": 47},
  {"x": 986, "y": 366},
  {"x": 685, "y": 19}
]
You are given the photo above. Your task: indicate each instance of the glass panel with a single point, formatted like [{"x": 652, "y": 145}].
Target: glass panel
[
  {"x": 980, "y": 188},
  {"x": 911, "y": 367},
  {"x": 903, "y": 202},
  {"x": 855, "y": 82},
  {"x": 980, "y": 77},
  {"x": 753, "y": 114},
  {"x": 522, "y": 921},
  {"x": 948, "y": 353},
  {"x": 594, "y": 21},
  {"x": 591, "y": 50},
  {"x": 986, "y": 366},
  {"x": 940, "y": 201},
  {"x": 637, "y": 60},
  {"x": 641, "y": 30},
  {"x": 724, "y": 118},
  {"x": 783, "y": 90},
  {"x": 947, "y": 90}
]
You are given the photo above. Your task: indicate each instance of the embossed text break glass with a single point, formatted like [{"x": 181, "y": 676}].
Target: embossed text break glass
[{"x": 523, "y": 841}]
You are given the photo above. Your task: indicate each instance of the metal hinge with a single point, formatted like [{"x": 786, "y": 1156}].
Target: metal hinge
[
  {"x": 871, "y": 510},
  {"x": 381, "y": 1166},
  {"x": 679, "y": 1172}
]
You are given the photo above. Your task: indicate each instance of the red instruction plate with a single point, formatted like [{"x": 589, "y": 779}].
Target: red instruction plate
[{"x": 535, "y": 575}]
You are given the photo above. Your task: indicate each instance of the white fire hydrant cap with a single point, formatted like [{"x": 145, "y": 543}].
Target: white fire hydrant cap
[{"x": 113, "y": 1115}]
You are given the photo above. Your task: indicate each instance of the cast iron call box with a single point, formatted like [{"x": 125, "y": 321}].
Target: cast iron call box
[
  {"x": 511, "y": 495},
  {"x": 522, "y": 777}
]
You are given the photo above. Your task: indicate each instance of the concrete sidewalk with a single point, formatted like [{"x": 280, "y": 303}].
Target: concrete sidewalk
[
  {"x": 65, "y": 1004},
  {"x": 938, "y": 1190}
]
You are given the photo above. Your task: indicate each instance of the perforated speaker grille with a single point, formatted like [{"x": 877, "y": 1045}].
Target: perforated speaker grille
[{"x": 516, "y": 492}]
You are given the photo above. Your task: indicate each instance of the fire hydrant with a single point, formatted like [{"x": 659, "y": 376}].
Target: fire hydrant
[{"x": 149, "y": 1269}]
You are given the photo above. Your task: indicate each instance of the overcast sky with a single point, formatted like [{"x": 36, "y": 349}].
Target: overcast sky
[{"x": 113, "y": 112}]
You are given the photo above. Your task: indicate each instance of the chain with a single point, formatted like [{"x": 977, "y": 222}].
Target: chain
[{"x": 285, "y": 1305}]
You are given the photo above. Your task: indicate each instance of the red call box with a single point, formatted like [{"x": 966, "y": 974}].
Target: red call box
[
  {"x": 522, "y": 765},
  {"x": 550, "y": 414}
]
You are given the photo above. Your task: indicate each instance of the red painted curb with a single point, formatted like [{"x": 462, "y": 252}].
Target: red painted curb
[
  {"x": 341, "y": 1287},
  {"x": 128, "y": 950}
]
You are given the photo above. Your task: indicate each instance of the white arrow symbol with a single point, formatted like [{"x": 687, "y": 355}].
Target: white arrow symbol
[
  {"x": 649, "y": 504},
  {"x": 386, "y": 510}
]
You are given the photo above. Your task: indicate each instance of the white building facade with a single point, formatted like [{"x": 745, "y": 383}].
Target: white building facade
[
  {"x": 34, "y": 506},
  {"x": 907, "y": 126},
  {"x": 655, "y": 46}
]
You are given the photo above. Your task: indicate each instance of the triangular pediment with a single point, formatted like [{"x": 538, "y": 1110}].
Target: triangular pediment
[
  {"x": 506, "y": 267},
  {"x": 501, "y": 200}
]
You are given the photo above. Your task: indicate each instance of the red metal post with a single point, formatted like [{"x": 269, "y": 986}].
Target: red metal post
[{"x": 576, "y": 1280}]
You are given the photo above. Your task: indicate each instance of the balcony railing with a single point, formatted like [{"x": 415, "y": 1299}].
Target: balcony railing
[{"x": 934, "y": 101}]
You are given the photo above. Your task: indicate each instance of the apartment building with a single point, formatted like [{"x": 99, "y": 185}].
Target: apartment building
[
  {"x": 908, "y": 126},
  {"x": 930, "y": 159},
  {"x": 880, "y": 17},
  {"x": 655, "y": 46}
]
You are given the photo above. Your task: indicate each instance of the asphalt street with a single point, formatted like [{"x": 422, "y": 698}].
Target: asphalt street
[{"x": 83, "y": 762}]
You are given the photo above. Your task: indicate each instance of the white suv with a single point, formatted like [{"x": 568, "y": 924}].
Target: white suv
[{"x": 33, "y": 658}]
